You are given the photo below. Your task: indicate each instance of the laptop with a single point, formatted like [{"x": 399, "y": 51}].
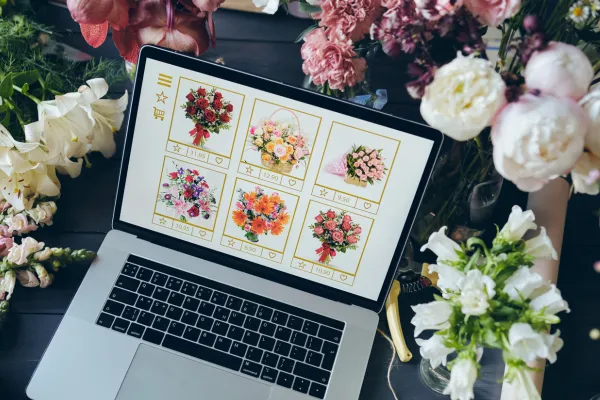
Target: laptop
[{"x": 256, "y": 233}]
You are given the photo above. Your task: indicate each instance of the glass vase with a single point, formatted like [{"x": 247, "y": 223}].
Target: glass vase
[{"x": 435, "y": 379}]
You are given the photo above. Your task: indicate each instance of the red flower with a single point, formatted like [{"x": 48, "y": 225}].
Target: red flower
[
  {"x": 346, "y": 226},
  {"x": 201, "y": 92},
  {"x": 190, "y": 110},
  {"x": 218, "y": 95},
  {"x": 206, "y": 134},
  {"x": 210, "y": 115},
  {"x": 199, "y": 126},
  {"x": 204, "y": 184},
  {"x": 330, "y": 214},
  {"x": 173, "y": 175},
  {"x": 194, "y": 211},
  {"x": 229, "y": 107},
  {"x": 224, "y": 118},
  {"x": 189, "y": 179},
  {"x": 195, "y": 172},
  {"x": 202, "y": 103},
  {"x": 188, "y": 193},
  {"x": 217, "y": 104},
  {"x": 190, "y": 97}
]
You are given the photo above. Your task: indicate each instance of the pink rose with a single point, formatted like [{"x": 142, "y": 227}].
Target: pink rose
[
  {"x": 493, "y": 12},
  {"x": 366, "y": 158},
  {"x": 346, "y": 226},
  {"x": 331, "y": 214},
  {"x": 350, "y": 18},
  {"x": 359, "y": 172},
  {"x": 362, "y": 153},
  {"x": 252, "y": 130},
  {"x": 347, "y": 218},
  {"x": 280, "y": 150},
  {"x": 250, "y": 205},
  {"x": 352, "y": 239},
  {"x": 319, "y": 230},
  {"x": 358, "y": 230},
  {"x": 247, "y": 228},
  {"x": 276, "y": 133},
  {"x": 363, "y": 178},
  {"x": 338, "y": 236},
  {"x": 319, "y": 218},
  {"x": 239, "y": 205},
  {"x": 356, "y": 164},
  {"x": 354, "y": 155},
  {"x": 330, "y": 225}
]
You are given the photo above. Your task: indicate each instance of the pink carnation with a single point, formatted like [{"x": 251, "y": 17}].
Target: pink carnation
[
  {"x": 348, "y": 18},
  {"x": 319, "y": 230}
]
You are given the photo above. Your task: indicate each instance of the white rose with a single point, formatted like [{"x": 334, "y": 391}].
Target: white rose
[
  {"x": 561, "y": 70},
  {"x": 541, "y": 246},
  {"x": 554, "y": 343},
  {"x": 434, "y": 350},
  {"x": 463, "y": 98},
  {"x": 268, "y": 6},
  {"x": 444, "y": 248},
  {"x": 586, "y": 174},
  {"x": 522, "y": 284},
  {"x": 19, "y": 252},
  {"x": 462, "y": 380},
  {"x": 448, "y": 278},
  {"x": 519, "y": 222},
  {"x": 525, "y": 343},
  {"x": 432, "y": 315},
  {"x": 475, "y": 291},
  {"x": 550, "y": 301},
  {"x": 537, "y": 139}
]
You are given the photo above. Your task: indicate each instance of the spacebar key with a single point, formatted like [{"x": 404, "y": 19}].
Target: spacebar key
[{"x": 202, "y": 352}]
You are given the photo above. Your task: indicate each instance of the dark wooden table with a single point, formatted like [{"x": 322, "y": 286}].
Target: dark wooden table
[{"x": 264, "y": 45}]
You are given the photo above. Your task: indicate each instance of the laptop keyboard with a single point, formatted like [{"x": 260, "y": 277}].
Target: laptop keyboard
[{"x": 226, "y": 326}]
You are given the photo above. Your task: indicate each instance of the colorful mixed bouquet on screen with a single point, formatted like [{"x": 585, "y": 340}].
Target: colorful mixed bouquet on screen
[
  {"x": 209, "y": 112},
  {"x": 188, "y": 194},
  {"x": 259, "y": 213},
  {"x": 337, "y": 232}
]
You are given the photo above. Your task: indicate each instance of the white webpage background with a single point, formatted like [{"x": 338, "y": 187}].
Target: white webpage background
[{"x": 148, "y": 151}]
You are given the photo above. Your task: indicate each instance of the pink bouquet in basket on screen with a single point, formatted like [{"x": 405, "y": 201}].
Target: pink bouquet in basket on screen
[
  {"x": 209, "y": 112},
  {"x": 336, "y": 232}
]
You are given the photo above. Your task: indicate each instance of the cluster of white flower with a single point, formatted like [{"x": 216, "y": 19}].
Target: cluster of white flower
[
  {"x": 491, "y": 299},
  {"x": 581, "y": 11}
]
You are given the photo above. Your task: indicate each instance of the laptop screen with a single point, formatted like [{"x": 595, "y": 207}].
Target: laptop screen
[{"x": 310, "y": 192}]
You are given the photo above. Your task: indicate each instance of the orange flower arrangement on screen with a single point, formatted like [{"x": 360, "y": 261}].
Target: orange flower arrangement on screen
[{"x": 258, "y": 213}]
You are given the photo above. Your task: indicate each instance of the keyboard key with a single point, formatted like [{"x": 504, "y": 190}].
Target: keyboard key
[
  {"x": 280, "y": 318},
  {"x": 206, "y": 308},
  {"x": 174, "y": 284},
  {"x": 218, "y": 298},
  {"x": 310, "y": 327},
  {"x": 207, "y": 339},
  {"x": 161, "y": 323},
  {"x": 238, "y": 349},
  {"x": 159, "y": 307},
  {"x": 202, "y": 352},
  {"x": 295, "y": 322},
  {"x": 189, "y": 288},
  {"x": 221, "y": 313},
  {"x": 285, "y": 364},
  {"x": 191, "y": 333},
  {"x": 191, "y": 304},
  {"x": 130, "y": 313},
  {"x": 105, "y": 320},
  {"x": 327, "y": 333},
  {"x": 317, "y": 390},
  {"x": 285, "y": 380},
  {"x": 254, "y": 354},
  {"x": 314, "y": 343},
  {"x": 252, "y": 323},
  {"x": 250, "y": 368},
  {"x": 299, "y": 339},
  {"x": 205, "y": 323},
  {"x": 234, "y": 303},
  {"x": 146, "y": 318},
  {"x": 129, "y": 269},
  {"x": 251, "y": 338},
  {"x": 144, "y": 274},
  {"x": 309, "y": 372},
  {"x": 270, "y": 359},
  {"x": 283, "y": 348},
  {"x": 301, "y": 385},
  {"x": 114, "y": 308},
  {"x": 120, "y": 325},
  {"x": 176, "y": 299},
  {"x": 189, "y": 318},
  {"x": 249, "y": 308},
  {"x": 159, "y": 279},
  {"x": 204, "y": 293},
  {"x": 128, "y": 283},
  {"x": 237, "y": 318},
  {"x": 266, "y": 343},
  {"x": 123, "y": 296},
  {"x": 298, "y": 353},
  {"x": 330, "y": 351},
  {"x": 267, "y": 328},
  {"x": 135, "y": 330},
  {"x": 269, "y": 374},
  {"x": 146, "y": 289},
  {"x": 220, "y": 327},
  {"x": 176, "y": 328},
  {"x": 264, "y": 313},
  {"x": 161, "y": 294},
  {"x": 314, "y": 358},
  {"x": 174, "y": 313},
  {"x": 144, "y": 303},
  {"x": 235, "y": 332},
  {"x": 283, "y": 333},
  {"x": 223, "y": 344},
  {"x": 153, "y": 336}
]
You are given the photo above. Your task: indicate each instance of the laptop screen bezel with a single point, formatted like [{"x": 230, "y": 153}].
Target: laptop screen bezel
[{"x": 298, "y": 94}]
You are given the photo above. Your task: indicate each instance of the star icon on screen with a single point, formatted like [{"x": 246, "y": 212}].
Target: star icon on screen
[
  {"x": 177, "y": 148},
  {"x": 302, "y": 264},
  {"x": 324, "y": 192},
  {"x": 231, "y": 242},
  {"x": 249, "y": 170},
  {"x": 161, "y": 97},
  {"x": 162, "y": 221}
]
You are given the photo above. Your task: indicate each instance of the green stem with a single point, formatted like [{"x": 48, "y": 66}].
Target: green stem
[
  {"x": 28, "y": 95},
  {"x": 480, "y": 149},
  {"x": 16, "y": 110}
]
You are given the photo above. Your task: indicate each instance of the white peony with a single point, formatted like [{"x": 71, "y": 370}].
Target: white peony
[
  {"x": 519, "y": 222},
  {"x": 555, "y": 344},
  {"x": 549, "y": 300},
  {"x": 522, "y": 284},
  {"x": 444, "y": 248},
  {"x": 434, "y": 315},
  {"x": 586, "y": 174},
  {"x": 268, "y": 6},
  {"x": 541, "y": 246},
  {"x": 525, "y": 343},
  {"x": 462, "y": 380},
  {"x": 19, "y": 253},
  {"x": 448, "y": 278},
  {"x": 434, "y": 350},
  {"x": 463, "y": 98},
  {"x": 591, "y": 105},
  {"x": 475, "y": 291},
  {"x": 538, "y": 139}
]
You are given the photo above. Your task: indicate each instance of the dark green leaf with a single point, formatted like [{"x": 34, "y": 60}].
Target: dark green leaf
[
  {"x": 307, "y": 8},
  {"x": 6, "y": 86},
  {"x": 27, "y": 77},
  {"x": 305, "y": 32},
  {"x": 25, "y": 88}
]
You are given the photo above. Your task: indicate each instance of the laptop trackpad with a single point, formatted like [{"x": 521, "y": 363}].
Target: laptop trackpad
[{"x": 155, "y": 374}]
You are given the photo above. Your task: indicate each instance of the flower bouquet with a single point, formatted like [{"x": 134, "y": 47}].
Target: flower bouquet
[
  {"x": 281, "y": 145},
  {"x": 336, "y": 232},
  {"x": 187, "y": 192},
  {"x": 490, "y": 298},
  {"x": 258, "y": 213},
  {"x": 364, "y": 165},
  {"x": 209, "y": 112}
]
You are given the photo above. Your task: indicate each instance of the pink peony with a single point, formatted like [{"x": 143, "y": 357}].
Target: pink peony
[
  {"x": 338, "y": 236},
  {"x": 493, "y": 12},
  {"x": 358, "y": 230},
  {"x": 352, "y": 239},
  {"x": 319, "y": 218},
  {"x": 319, "y": 230},
  {"x": 348, "y": 18},
  {"x": 346, "y": 226},
  {"x": 331, "y": 62},
  {"x": 330, "y": 225}
]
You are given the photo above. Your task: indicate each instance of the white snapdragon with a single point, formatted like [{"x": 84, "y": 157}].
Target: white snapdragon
[
  {"x": 541, "y": 246},
  {"x": 462, "y": 379},
  {"x": 7, "y": 284},
  {"x": 444, "y": 248},
  {"x": 27, "y": 278},
  {"x": 432, "y": 315},
  {"x": 19, "y": 253},
  {"x": 434, "y": 350},
  {"x": 525, "y": 343},
  {"x": 475, "y": 291},
  {"x": 522, "y": 284},
  {"x": 519, "y": 222}
]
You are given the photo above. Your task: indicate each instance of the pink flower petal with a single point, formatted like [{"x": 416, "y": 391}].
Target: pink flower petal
[{"x": 95, "y": 35}]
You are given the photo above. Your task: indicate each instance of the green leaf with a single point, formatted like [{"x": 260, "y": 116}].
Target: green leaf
[
  {"x": 25, "y": 88},
  {"x": 27, "y": 77},
  {"x": 6, "y": 120},
  {"x": 6, "y": 86},
  {"x": 307, "y": 8},
  {"x": 305, "y": 32}
]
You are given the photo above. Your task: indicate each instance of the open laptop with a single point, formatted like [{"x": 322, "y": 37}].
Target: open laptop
[{"x": 233, "y": 271}]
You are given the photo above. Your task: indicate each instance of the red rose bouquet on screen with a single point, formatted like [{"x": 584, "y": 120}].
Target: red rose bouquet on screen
[
  {"x": 188, "y": 194},
  {"x": 336, "y": 232},
  {"x": 209, "y": 112},
  {"x": 258, "y": 213}
]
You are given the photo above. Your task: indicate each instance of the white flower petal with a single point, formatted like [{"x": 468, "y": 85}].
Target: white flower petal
[
  {"x": 519, "y": 222},
  {"x": 462, "y": 380},
  {"x": 522, "y": 284},
  {"x": 444, "y": 247},
  {"x": 541, "y": 246},
  {"x": 434, "y": 350},
  {"x": 525, "y": 343},
  {"x": 434, "y": 315}
]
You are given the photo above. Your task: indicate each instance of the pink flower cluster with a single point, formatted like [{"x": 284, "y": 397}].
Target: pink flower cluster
[
  {"x": 348, "y": 18},
  {"x": 365, "y": 164},
  {"x": 337, "y": 232}
]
